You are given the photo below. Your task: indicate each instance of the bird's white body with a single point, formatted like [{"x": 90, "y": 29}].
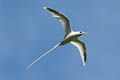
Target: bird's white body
[{"x": 70, "y": 37}]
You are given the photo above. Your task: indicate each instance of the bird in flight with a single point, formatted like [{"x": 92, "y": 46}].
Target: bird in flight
[{"x": 70, "y": 37}]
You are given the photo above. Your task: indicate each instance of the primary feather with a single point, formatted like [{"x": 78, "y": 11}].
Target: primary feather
[
  {"x": 82, "y": 49},
  {"x": 63, "y": 19}
]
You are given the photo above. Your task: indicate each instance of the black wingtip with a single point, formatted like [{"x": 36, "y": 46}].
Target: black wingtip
[{"x": 51, "y": 10}]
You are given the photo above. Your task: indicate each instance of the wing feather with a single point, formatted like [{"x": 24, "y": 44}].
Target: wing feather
[
  {"x": 82, "y": 49},
  {"x": 63, "y": 19}
]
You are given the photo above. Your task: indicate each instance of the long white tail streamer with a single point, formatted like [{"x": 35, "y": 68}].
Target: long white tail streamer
[{"x": 42, "y": 56}]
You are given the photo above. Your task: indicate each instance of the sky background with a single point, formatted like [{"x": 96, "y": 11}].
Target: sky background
[{"x": 27, "y": 31}]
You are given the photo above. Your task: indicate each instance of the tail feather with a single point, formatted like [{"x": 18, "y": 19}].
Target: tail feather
[{"x": 43, "y": 55}]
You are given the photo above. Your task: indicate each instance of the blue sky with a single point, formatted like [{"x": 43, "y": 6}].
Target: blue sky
[{"x": 27, "y": 31}]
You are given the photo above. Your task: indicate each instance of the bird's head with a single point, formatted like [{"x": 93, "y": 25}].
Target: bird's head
[
  {"x": 82, "y": 33},
  {"x": 79, "y": 33}
]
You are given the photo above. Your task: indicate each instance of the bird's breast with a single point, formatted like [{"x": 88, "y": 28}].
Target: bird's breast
[{"x": 68, "y": 39}]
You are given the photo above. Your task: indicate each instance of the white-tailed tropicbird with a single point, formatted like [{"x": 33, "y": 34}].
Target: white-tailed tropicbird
[{"x": 70, "y": 37}]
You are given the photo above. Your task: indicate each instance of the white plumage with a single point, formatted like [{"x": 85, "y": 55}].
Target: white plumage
[{"x": 70, "y": 37}]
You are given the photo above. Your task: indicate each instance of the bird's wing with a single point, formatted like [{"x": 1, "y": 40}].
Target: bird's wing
[
  {"x": 82, "y": 49},
  {"x": 43, "y": 55},
  {"x": 63, "y": 19}
]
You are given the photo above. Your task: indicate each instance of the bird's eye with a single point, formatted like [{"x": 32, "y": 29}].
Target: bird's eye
[{"x": 80, "y": 32}]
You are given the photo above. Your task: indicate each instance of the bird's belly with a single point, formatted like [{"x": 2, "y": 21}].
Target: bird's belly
[{"x": 69, "y": 39}]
